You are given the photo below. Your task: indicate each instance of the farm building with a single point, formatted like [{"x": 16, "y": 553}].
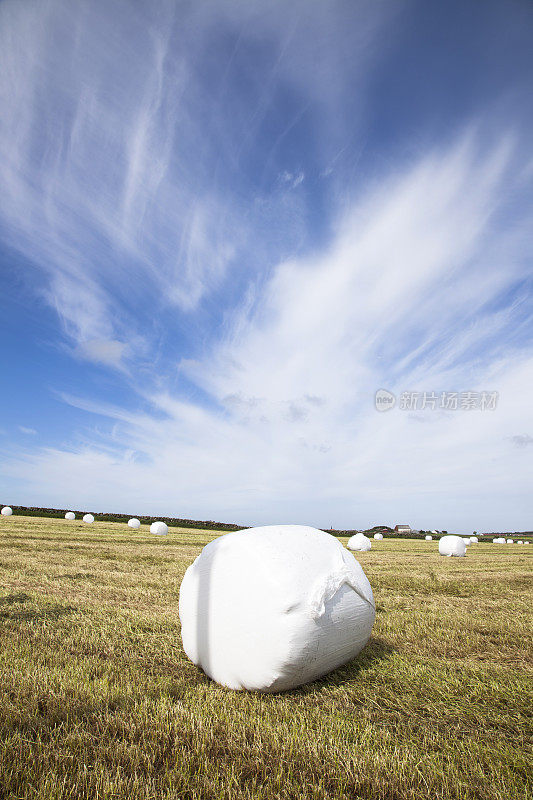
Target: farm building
[{"x": 402, "y": 528}]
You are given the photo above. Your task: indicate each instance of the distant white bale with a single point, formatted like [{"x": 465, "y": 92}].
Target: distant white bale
[
  {"x": 159, "y": 528},
  {"x": 378, "y": 537},
  {"x": 70, "y": 515},
  {"x": 509, "y": 541},
  {"x": 270, "y": 608},
  {"x": 466, "y": 540},
  {"x": 6, "y": 511},
  {"x": 428, "y": 538},
  {"x": 520, "y": 542},
  {"x": 526, "y": 542},
  {"x": 359, "y": 542},
  {"x": 88, "y": 518},
  {"x": 134, "y": 523},
  {"x": 474, "y": 539},
  {"x": 452, "y": 546}
]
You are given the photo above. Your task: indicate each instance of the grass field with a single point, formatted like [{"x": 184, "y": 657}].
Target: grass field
[{"x": 98, "y": 700}]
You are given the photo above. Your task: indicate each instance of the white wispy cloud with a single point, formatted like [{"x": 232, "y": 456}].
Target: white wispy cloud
[
  {"x": 103, "y": 183},
  {"x": 123, "y": 169},
  {"x": 103, "y": 351},
  {"x": 28, "y": 431},
  {"x": 293, "y": 180},
  {"x": 289, "y": 431}
]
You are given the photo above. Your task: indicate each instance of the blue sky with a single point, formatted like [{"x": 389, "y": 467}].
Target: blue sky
[{"x": 225, "y": 226}]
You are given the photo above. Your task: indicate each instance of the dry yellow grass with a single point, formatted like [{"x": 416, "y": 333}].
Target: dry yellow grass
[{"x": 99, "y": 700}]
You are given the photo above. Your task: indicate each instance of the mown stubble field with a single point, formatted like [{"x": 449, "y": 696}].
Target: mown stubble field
[{"x": 98, "y": 699}]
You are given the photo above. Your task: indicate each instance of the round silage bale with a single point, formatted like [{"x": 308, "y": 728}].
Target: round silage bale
[
  {"x": 6, "y": 511},
  {"x": 270, "y": 608},
  {"x": 134, "y": 523},
  {"x": 509, "y": 541},
  {"x": 474, "y": 540},
  {"x": 159, "y": 528},
  {"x": 378, "y": 537},
  {"x": 451, "y": 545},
  {"x": 466, "y": 540},
  {"x": 359, "y": 542},
  {"x": 88, "y": 518},
  {"x": 70, "y": 515},
  {"x": 428, "y": 538}
]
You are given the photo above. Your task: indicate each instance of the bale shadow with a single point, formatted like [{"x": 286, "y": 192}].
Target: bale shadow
[{"x": 376, "y": 650}]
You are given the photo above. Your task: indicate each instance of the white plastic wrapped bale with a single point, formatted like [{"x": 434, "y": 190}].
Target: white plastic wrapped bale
[
  {"x": 270, "y": 608},
  {"x": 474, "y": 540},
  {"x": 70, "y": 515},
  {"x": 359, "y": 542},
  {"x": 428, "y": 538},
  {"x": 378, "y": 537},
  {"x": 520, "y": 542},
  {"x": 159, "y": 528},
  {"x": 6, "y": 511},
  {"x": 88, "y": 518},
  {"x": 134, "y": 523},
  {"x": 466, "y": 540},
  {"x": 526, "y": 542},
  {"x": 452, "y": 546},
  {"x": 509, "y": 541}
]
